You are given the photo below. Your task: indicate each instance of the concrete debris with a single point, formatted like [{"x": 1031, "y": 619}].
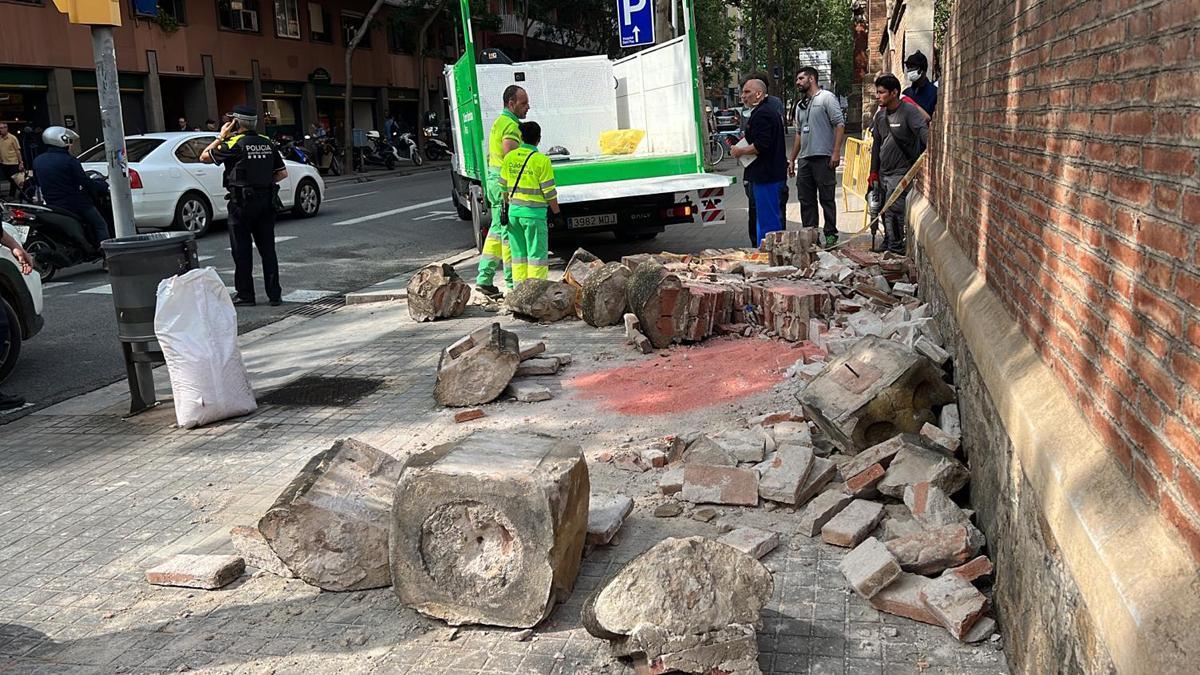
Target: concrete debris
[
  {"x": 655, "y": 458},
  {"x": 881, "y": 454},
  {"x": 605, "y": 516},
  {"x": 931, "y": 551},
  {"x": 256, "y": 552},
  {"x": 791, "y": 433},
  {"x": 542, "y": 300},
  {"x": 897, "y": 522},
  {"x": 537, "y": 366},
  {"x": 853, "y": 524},
  {"x": 480, "y": 373},
  {"x": 206, "y": 572},
  {"x": 704, "y": 484},
  {"x": 490, "y": 529},
  {"x": 705, "y": 514},
  {"x": 528, "y": 392},
  {"x": 468, "y": 415},
  {"x": 937, "y": 438},
  {"x": 786, "y": 474},
  {"x": 931, "y": 507},
  {"x": 876, "y": 390},
  {"x": 654, "y": 297},
  {"x": 690, "y": 605},
  {"x": 746, "y": 445},
  {"x": 821, "y": 510},
  {"x": 563, "y": 358},
  {"x": 602, "y": 298},
  {"x": 949, "y": 421},
  {"x": 931, "y": 351},
  {"x": 437, "y": 292},
  {"x": 706, "y": 450},
  {"x": 532, "y": 351},
  {"x": 330, "y": 524},
  {"x": 823, "y": 471},
  {"x": 862, "y": 484},
  {"x": 983, "y": 629},
  {"x": 869, "y": 567},
  {"x": 955, "y": 602},
  {"x": 751, "y": 541},
  {"x": 916, "y": 464},
  {"x": 671, "y": 482},
  {"x": 668, "y": 510}
]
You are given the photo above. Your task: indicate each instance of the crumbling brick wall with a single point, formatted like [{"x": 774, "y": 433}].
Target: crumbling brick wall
[{"x": 1064, "y": 161}]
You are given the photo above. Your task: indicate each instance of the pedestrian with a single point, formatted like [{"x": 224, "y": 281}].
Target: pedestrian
[
  {"x": 64, "y": 184},
  {"x": 26, "y": 263},
  {"x": 505, "y": 136},
  {"x": 817, "y": 152},
  {"x": 183, "y": 124},
  {"x": 11, "y": 160},
  {"x": 772, "y": 103},
  {"x": 900, "y": 135},
  {"x": 921, "y": 90},
  {"x": 769, "y": 168},
  {"x": 253, "y": 167},
  {"x": 211, "y": 125},
  {"x": 527, "y": 185}
]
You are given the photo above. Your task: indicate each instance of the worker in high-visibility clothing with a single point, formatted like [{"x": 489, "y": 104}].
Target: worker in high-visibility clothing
[
  {"x": 503, "y": 139},
  {"x": 527, "y": 180}
]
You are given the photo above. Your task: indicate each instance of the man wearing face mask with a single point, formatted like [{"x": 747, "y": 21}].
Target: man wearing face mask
[
  {"x": 768, "y": 171},
  {"x": 924, "y": 92}
]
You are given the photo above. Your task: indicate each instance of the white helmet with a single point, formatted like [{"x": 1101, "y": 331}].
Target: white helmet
[
  {"x": 59, "y": 137},
  {"x": 374, "y": 135}
]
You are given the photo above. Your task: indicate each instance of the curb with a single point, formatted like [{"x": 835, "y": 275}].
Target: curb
[{"x": 396, "y": 288}]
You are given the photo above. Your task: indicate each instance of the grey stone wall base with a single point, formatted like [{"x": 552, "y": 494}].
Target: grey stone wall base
[{"x": 1089, "y": 576}]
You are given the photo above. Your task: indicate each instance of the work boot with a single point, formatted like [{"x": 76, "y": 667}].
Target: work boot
[
  {"x": 275, "y": 302},
  {"x": 882, "y": 247},
  {"x": 239, "y": 301},
  {"x": 9, "y": 402},
  {"x": 831, "y": 240},
  {"x": 490, "y": 291}
]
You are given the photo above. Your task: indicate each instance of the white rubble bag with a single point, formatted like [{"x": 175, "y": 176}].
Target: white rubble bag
[{"x": 196, "y": 326}]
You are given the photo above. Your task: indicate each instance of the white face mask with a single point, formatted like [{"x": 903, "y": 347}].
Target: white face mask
[{"x": 913, "y": 75}]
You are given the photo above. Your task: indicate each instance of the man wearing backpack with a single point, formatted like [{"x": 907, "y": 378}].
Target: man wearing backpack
[{"x": 901, "y": 134}]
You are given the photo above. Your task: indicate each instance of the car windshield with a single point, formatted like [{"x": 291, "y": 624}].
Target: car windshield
[{"x": 136, "y": 150}]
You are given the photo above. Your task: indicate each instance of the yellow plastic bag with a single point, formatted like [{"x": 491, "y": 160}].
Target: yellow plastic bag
[{"x": 620, "y": 141}]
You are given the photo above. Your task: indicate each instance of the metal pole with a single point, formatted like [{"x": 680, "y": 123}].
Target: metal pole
[{"x": 109, "y": 91}]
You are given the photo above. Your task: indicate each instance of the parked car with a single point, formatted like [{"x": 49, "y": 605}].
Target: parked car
[
  {"x": 20, "y": 299},
  {"x": 172, "y": 188},
  {"x": 727, "y": 119}
]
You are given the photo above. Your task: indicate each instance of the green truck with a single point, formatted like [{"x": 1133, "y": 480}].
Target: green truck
[{"x": 575, "y": 100}]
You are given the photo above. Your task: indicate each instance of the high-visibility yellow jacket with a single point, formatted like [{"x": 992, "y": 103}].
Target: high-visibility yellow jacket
[
  {"x": 536, "y": 187},
  {"x": 503, "y": 129}
]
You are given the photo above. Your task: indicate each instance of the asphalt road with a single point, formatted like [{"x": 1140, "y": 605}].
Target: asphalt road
[{"x": 365, "y": 233}]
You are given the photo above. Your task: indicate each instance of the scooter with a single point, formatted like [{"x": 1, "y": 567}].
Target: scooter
[
  {"x": 291, "y": 151},
  {"x": 327, "y": 156},
  {"x": 377, "y": 152},
  {"x": 435, "y": 147},
  {"x": 411, "y": 151},
  {"x": 57, "y": 238}
]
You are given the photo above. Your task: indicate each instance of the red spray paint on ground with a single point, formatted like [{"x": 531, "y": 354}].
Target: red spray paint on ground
[{"x": 690, "y": 378}]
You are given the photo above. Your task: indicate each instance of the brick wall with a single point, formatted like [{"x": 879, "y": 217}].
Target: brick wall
[{"x": 1064, "y": 160}]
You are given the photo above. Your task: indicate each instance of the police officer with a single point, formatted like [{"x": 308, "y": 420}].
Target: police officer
[{"x": 252, "y": 168}]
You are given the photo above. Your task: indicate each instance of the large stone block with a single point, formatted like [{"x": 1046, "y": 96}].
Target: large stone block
[
  {"x": 877, "y": 389},
  {"x": 690, "y": 605},
  {"x": 931, "y": 551},
  {"x": 330, "y": 524},
  {"x": 602, "y": 300},
  {"x": 542, "y": 300},
  {"x": 490, "y": 529},
  {"x": 479, "y": 373},
  {"x": 437, "y": 292},
  {"x": 659, "y": 301}
]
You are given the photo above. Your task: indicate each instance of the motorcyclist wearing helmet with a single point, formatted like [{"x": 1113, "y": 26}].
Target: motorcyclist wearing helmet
[{"x": 64, "y": 184}]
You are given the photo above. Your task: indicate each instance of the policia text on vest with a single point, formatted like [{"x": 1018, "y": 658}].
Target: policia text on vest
[{"x": 253, "y": 167}]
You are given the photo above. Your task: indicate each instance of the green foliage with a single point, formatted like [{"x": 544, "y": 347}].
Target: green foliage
[
  {"x": 166, "y": 21},
  {"x": 776, "y": 30},
  {"x": 941, "y": 23},
  {"x": 715, "y": 40}
]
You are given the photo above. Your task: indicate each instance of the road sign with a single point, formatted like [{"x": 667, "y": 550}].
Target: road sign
[{"x": 636, "y": 19}]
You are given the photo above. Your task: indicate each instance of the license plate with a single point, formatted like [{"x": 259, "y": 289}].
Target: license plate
[
  {"x": 592, "y": 221},
  {"x": 20, "y": 232}
]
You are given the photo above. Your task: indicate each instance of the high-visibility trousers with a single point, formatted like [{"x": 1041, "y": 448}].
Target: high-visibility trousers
[
  {"x": 495, "y": 248},
  {"x": 527, "y": 237}
]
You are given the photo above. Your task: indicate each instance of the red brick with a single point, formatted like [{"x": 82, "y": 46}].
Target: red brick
[
  {"x": 1163, "y": 236},
  {"x": 1182, "y": 438},
  {"x": 704, "y": 484},
  {"x": 865, "y": 481},
  {"x": 980, "y": 566},
  {"x": 1188, "y": 288},
  {"x": 1146, "y": 479},
  {"x": 1186, "y": 526},
  {"x": 467, "y": 415},
  {"x": 1189, "y": 487}
]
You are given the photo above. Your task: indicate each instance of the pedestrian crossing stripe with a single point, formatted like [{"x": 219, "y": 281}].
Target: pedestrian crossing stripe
[
  {"x": 106, "y": 289},
  {"x": 54, "y": 284}
]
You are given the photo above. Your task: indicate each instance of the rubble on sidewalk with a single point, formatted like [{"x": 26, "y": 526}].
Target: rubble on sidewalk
[
  {"x": 605, "y": 516},
  {"x": 542, "y": 300},
  {"x": 330, "y": 524},
  {"x": 477, "y": 371},
  {"x": 690, "y": 605},
  {"x": 602, "y": 299},
  {"x": 256, "y": 552},
  {"x": 206, "y": 572},
  {"x": 437, "y": 292},
  {"x": 751, "y": 541},
  {"x": 490, "y": 529}
]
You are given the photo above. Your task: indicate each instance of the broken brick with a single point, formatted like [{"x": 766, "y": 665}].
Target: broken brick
[
  {"x": 863, "y": 483},
  {"x": 206, "y": 572},
  {"x": 869, "y": 567},
  {"x": 821, "y": 509},
  {"x": 671, "y": 482},
  {"x": 980, "y": 566},
  {"x": 902, "y": 597},
  {"x": 720, "y": 485},
  {"x": 751, "y": 541},
  {"x": 533, "y": 350},
  {"x": 931, "y": 507},
  {"x": 854, "y": 524},
  {"x": 955, "y": 602},
  {"x": 822, "y": 472},
  {"x": 931, "y": 551},
  {"x": 940, "y": 439},
  {"x": 467, "y": 415},
  {"x": 915, "y": 464},
  {"x": 605, "y": 516},
  {"x": 785, "y": 475}
]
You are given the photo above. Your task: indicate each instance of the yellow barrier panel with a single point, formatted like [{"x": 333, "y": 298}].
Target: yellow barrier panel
[{"x": 857, "y": 168}]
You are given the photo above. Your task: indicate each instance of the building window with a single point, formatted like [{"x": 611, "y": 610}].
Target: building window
[
  {"x": 320, "y": 24},
  {"x": 402, "y": 38},
  {"x": 238, "y": 15},
  {"x": 28, "y": 2},
  {"x": 350, "y": 24},
  {"x": 287, "y": 18},
  {"x": 171, "y": 9}
]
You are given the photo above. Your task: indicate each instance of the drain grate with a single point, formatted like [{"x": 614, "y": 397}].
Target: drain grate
[
  {"x": 322, "y": 391},
  {"x": 319, "y": 307}
]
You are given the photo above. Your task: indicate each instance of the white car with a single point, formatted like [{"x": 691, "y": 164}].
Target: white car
[
  {"x": 20, "y": 300},
  {"x": 172, "y": 188}
]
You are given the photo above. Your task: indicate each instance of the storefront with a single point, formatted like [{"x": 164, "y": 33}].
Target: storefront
[
  {"x": 87, "y": 106},
  {"x": 23, "y": 98},
  {"x": 282, "y": 111},
  {"x": 331, "y": 101}
]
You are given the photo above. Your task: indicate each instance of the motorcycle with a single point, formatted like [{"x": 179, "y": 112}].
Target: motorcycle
[
  {"x": 435, "y": 147},
  {"x": 56, "y": 237},
  {"x": 327, "y": 155},
  {"x": 291, "y": 151},
  {"x": 377, "y": 152},
  {"x": 409, "y": 144}
]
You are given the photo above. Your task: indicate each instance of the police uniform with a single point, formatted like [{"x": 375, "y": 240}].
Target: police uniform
[
  {"x": 527, "y": 182},
  {"x": 496, "y": 247},
  {"x": 250, "y": 162}
]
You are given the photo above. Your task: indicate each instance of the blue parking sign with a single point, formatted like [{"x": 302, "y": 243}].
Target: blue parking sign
[{"x": 636, "y": 20}]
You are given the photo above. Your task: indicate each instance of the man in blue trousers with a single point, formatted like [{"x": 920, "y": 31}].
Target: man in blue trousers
[{"x": 768, "y": 171}]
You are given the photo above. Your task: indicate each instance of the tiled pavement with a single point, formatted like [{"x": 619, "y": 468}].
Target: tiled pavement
[{"x": 90, "y": 501}]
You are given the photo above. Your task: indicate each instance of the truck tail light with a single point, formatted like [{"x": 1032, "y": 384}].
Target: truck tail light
[
  {"x": 681, "y": 211},
  {"x": 135, "y": 179}
]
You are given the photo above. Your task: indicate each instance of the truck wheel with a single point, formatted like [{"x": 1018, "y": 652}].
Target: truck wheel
[{"x": 464, "y": 213}]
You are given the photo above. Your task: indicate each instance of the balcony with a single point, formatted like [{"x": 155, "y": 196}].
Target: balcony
[{"x": 514, "y": 24}]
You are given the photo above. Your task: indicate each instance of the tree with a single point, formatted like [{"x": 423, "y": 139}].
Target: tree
[
  {"x": 715, "y": 40},
  {"x": 348, "y": 136},
  {"x": 776, "y": 31}
]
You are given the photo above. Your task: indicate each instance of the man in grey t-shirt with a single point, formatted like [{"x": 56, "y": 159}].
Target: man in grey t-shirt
[{"x": 820, "y": 127}]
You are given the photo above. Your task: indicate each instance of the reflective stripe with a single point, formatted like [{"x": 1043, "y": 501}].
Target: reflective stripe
[
  {"x": 539, "y": 263},
  {"x": 548, "y": 184},
  {"x": 489, "y": 256},
  {"x": 553, "y": 194},
  {"x": 518, "y": 261},
  {"x": 531, "y": 204},
  {"x": 528, "y": 191}
]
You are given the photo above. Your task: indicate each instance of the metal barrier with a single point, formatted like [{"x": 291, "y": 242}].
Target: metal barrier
[{"x": 857, "y": 168}]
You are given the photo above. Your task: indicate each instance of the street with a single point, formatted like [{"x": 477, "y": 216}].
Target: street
[{"x": 77, "y": 350}]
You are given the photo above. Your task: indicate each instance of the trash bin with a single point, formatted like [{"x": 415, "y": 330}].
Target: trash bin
[{"x": 136, "y": 265}]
